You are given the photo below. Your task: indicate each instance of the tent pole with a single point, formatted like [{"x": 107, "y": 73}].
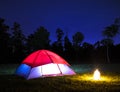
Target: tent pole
[
  {"x": 59, "y": 69},
  {"x": 52, "y": 62},
  {"x": 36, "y": 57},
  {"x": 49, "y": 57},
  {"x": 41, "y": 71}
]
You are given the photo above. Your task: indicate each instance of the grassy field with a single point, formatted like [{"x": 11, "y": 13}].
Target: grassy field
[{"x": 81, "y": 82}]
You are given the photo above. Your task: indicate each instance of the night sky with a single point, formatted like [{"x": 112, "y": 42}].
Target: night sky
[{"x": 87, "y": 16}]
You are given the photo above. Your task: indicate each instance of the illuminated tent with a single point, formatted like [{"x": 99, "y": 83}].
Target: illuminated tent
[{"x": 43, "y": 63}]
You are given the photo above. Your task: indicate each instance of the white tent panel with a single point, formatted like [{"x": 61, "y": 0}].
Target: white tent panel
[
  {"x": 50, "y": 70},
  {"x": 66, "y": 70}
]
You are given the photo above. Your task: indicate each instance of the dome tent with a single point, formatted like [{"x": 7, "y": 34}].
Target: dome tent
[{"x": 43, "y": 63}]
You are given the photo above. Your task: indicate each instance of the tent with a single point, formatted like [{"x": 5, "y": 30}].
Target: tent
[{"x": 43, "y": 63}]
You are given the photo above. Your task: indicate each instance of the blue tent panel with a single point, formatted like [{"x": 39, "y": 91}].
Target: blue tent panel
[{"x": 23, "y": 70}]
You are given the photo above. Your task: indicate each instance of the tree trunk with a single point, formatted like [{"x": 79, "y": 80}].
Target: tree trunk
[{"x": 108, "y": 58}]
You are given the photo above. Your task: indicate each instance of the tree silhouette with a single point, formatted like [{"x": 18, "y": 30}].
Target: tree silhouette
[
  {"x": 38, "y": 40},
  {"x": 4, "y": 42},
  {"x": 57, "y": 46},
  {"x": 78, "y": 37},
  {"x": 14, "y": 46},
  {"x": 68, "y": 49},
  {"x": 17, "y": 41},
  {"x": 87, "y": 52},
  {"x": 110, "y": 32},
  {"x": 59, "y": 34},
  {"x": 67, "y": 44}
]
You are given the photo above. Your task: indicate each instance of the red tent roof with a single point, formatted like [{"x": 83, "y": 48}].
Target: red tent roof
[{"x": 42, "y": 57}]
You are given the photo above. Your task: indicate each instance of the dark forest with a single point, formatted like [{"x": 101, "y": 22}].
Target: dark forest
[{"x": 15, "y": 46}]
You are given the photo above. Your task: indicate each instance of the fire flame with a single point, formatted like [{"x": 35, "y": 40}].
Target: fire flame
[{"x": 96, "y": 75}]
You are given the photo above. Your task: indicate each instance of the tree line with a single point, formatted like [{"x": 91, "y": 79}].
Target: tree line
[{"x": 15, "y": 46}]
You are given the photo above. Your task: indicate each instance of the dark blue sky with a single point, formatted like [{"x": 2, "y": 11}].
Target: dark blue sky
[{"x": 87, "y": 16}]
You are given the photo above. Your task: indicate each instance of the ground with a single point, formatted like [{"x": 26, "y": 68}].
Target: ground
[{"x": 81, "y": 82}]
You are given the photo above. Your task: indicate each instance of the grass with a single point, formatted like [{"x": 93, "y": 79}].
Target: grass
[{"x": 81, "y": 82}]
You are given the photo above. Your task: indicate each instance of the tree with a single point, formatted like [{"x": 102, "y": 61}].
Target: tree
[
  {"x": 18, "y": 43},
  {"x": 110, "y": 32},
  {"x": 97, "y": 44},
  {"x": 87, "y": 52},
  {"x": 4, "y": 42},
  {"x": 106, "y": 42},
  {"x": 57, "y": 46},
  {"x": 68, "y": 49},
  {"x": 59, "y": 34},
  {"x": 78, "y": 37},
  {"x": 38, "y": 40},
  {"x": 67, "y": 43}
]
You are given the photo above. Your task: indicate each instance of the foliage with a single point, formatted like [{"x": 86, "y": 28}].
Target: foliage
[
  {"x": 15, "y": 46},
  {"x": 68, "y": 48},
  {"x": 59, "y": 34},
  {"x": 17, "y": 43},
  {"x": 4, "y": 42},
  {"x": 38, "y": 40},
  {"x": 107, "y": 42},
  {"x": 57, "y": 46},
  {"x": 78, "y": 37},
  {"x": 110, "y": 32}
]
